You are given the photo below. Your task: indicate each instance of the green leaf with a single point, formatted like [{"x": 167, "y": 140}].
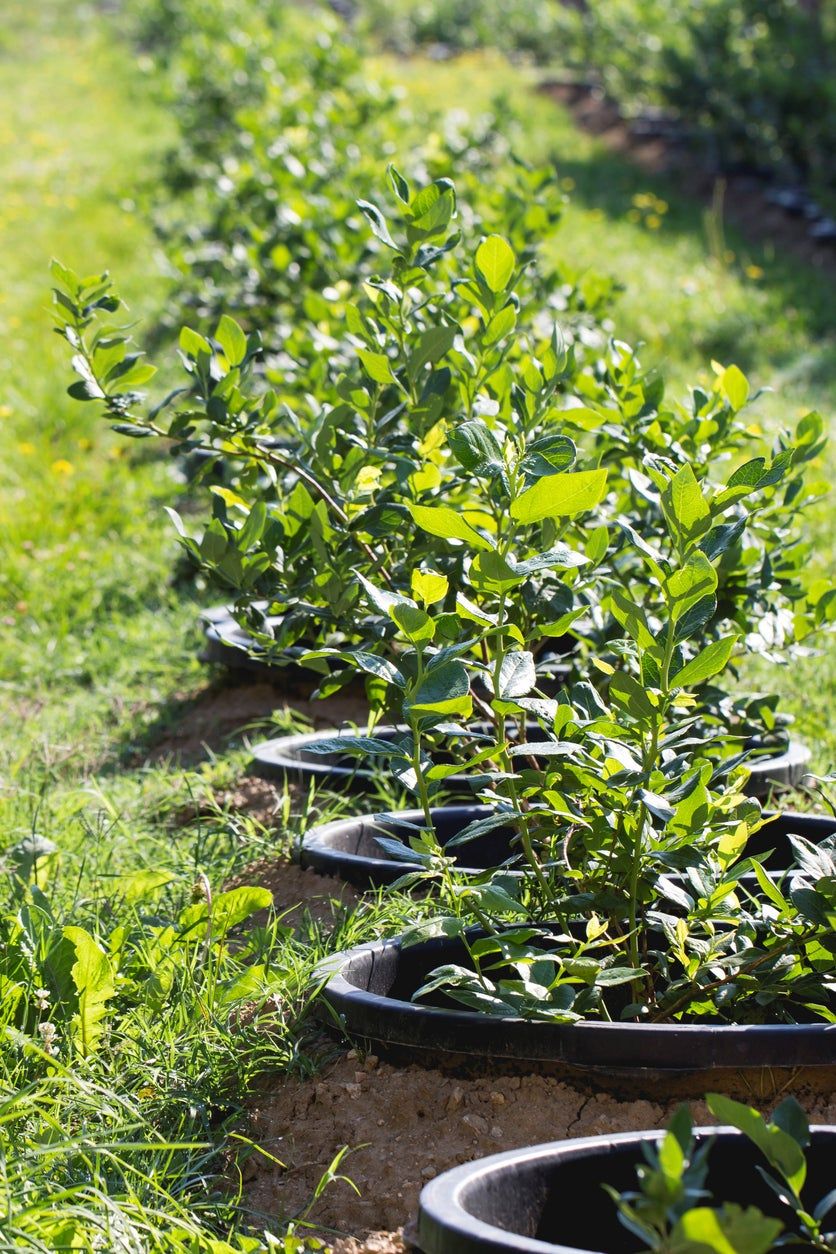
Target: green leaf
[
  {"x": 193, "y": 344},
  {"x": 560, "y": 496},
  {"x": 429, "y": 588},
  {"x": 791, "y": 1118},
  {"x": 548, "y": 455},
  {"x": 629, "y": 693},
  {"x": 735, "y": 387},
  {"x": 729, "y": 1231},
  {"x": 137, "y": 885},
  {"x": 517, "y": 675},
  {"x": 780, "y": 1149},
  {"x": 770, "y": 890},
  {"x": 684, "y": 505},
  {"x": 710, "y": 661},
  {"x": 415, "y": 624},
  {"x": 94, "y": 981},
  {"x": 439, "y": 520},
  {"x": 693, "y": 581},
  {"x": 232, "y": 340},
  {"x": 695, "y": 618},
  {"x": 495, "y": 262},
  {"x": 376, "y": 366},
  {"x": 432, "y": 210},
  {"x": 430, "y": 347},
  {"x": 476, "y": 447},
  {"x": 500, "y": 325},
  {"x": 445, "y": 689},
  {"x": 399, "y": 184},
  {"x": 225, "y": 911},
  {"x": 377, "y": 222}
]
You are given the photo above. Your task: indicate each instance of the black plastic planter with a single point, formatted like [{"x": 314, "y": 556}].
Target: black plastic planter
[
  {"x": 784, "y": 770},
  {"x": 369, "y": 989},
  {"x": 548, "y": 1199},
  {"x": 295, "y": 757},
  {"x": 350, "y": 848},
  {"x": 230, "y": 645}
]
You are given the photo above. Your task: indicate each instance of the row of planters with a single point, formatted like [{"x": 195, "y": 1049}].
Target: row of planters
[
  {"x": 749, "y": 81},
  {"x": 617, "y": 905},
  {"x": 547, "y": 574}
]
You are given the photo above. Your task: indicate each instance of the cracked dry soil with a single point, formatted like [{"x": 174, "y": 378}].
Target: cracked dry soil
[
  {"x": 405, "y": 1124},
  {"x": 408, "y": 1124}
]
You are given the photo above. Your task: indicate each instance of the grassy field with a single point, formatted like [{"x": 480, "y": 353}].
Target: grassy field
[{"x": 98, "y": 646}]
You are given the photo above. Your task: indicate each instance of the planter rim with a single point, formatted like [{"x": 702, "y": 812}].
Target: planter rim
[
  {"x": 615, "y": 1047},
  {"x": 443, "y": 1214},
  {"x": 790, "y": 763},
  {"x": 317, "y": 850},
  {"x": 276, "y": 756}
]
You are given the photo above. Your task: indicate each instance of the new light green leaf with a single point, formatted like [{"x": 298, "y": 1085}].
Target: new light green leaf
[
  {"x": 560, "y": 496},
  {"x": 440, "y": 520},
  {"x": 495, "y": 262},
  {"x": 710, "y": 661},
  {"x": 232, "y": 340},
  {"x": 735, "y": 387},
  {"x": 94, "y": 980},
  {"x": 376, "y": 366}
]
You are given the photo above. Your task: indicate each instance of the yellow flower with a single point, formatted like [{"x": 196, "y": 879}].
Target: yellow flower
[
  {"x": 653, "y": 221},
  {"x": 26, "y": 448},
  {"x": 63, "y": 467},
  {"x": 754, "y": 272},
  {"x": 5, "y": 411}
]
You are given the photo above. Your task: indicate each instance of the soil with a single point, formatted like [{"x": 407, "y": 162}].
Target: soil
[
  {"x": 297, "y": 891},
  {"x": 193, "y": 727},
  {"x": 409, "y": 1124},
  {"x": 744, "y": 201}
]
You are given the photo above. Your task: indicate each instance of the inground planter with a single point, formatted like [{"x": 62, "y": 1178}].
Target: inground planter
[
  {"x": 548, "y": 1199},
  {"x": 783, "y": 770},
  {"x": 350, "y": 849},
  {"x": 368, "y": 992},
  {"x": 296, "y": 758},
  {"x": 230, "y": 645}
]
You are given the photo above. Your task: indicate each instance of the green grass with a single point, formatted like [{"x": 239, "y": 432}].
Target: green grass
[{"x": 97, "y": 645}]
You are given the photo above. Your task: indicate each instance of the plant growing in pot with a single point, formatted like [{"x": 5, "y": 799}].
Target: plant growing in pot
[
  {"x": 760, "y": 559},
  {"x": 386, "y": 457},
  {"x": 753, "y": 1185},
  {"x": 633, "y": 836},
  {"x": 303, "y": 518}
]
